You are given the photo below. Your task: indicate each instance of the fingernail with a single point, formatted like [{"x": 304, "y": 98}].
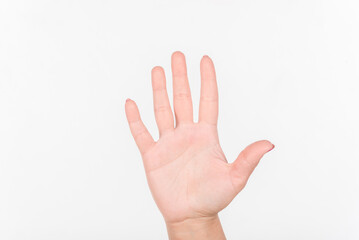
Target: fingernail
[
  {"x": 271, "y": 148},
  {"x": 128, "y": 99}
]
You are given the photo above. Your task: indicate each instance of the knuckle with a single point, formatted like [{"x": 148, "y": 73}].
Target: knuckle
[
  {"x": 182, "y": 96},
  {"x": 139, "y": 134},
  {"x": 162, "y": 108}
]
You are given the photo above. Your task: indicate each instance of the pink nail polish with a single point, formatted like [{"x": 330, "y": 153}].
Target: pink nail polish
[{"x": 271, "y": 148}]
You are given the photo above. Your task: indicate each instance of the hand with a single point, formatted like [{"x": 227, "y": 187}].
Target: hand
[{"x": 187, "y": 171}]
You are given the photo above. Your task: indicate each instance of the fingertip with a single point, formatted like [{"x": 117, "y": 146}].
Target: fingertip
[
  {"x": 130, "y": 105},
  {"x": 178, "y": 59},
  {"x": 156, "y": 69},
  {"x": 177, "y": 54},
  {"x": 203, "y": 59},
  {"x": 128, "y": 101},
  {"x": 271, "y": 148},
  {"x": 267, "y": 145},
  {"x": 207, "y": 62},
  {"x": 206, "y": 57}
]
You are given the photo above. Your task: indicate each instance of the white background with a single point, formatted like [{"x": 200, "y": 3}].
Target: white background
[{"x": 287, "y": 71}]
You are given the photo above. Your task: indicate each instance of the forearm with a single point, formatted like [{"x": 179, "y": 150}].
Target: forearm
[{"x": 208, "y": 228}]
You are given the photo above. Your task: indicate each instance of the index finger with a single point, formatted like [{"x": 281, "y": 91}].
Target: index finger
[{"x": 208, "y": 106}]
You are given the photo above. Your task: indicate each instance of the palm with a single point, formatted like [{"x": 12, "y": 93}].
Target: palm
[{"x": 187, "y": 171}]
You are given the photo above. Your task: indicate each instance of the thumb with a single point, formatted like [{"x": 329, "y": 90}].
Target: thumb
[{"x": 247, "y": 161}]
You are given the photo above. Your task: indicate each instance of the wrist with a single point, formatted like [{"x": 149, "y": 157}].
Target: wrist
[{"x": 197, "y": 228}]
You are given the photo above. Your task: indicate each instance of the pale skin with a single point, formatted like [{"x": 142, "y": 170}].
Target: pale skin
[{"x": 187, "y": 172}]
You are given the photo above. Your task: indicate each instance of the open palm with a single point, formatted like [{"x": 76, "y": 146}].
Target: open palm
[{"x": 186, "y": 169}]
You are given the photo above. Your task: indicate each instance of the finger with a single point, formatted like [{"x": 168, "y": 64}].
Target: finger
[
  {"x": 182, "y": 101},
  {"x": 139, "y": 132},
  {"x": 208, "y": 105},
  {"x": 247, "y": 161},
  {"x": 162, "y": 107}
]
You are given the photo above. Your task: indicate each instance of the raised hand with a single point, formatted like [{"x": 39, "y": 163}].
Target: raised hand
[{"x": 187, "y": 171}]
